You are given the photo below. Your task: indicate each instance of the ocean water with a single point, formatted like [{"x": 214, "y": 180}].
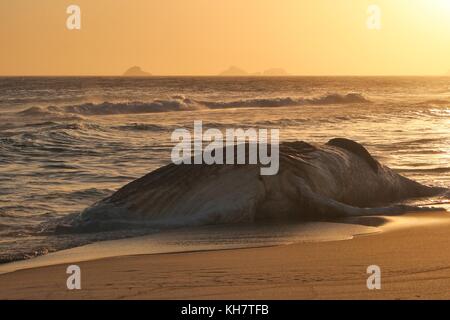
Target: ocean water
[{"x": 66, "y": 143}]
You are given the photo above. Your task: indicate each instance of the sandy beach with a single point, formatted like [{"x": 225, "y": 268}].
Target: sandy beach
[
  {"x": 414, "y": 262},
  {"x": 224, "y": 150}
]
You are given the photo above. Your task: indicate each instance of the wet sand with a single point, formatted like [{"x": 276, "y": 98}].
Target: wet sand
[{"x": 414, "y": 261}]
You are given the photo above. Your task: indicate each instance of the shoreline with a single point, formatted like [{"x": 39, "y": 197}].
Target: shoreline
[
  {"x": 417, "y": 269},
  {"x": 200, "y": 239}
]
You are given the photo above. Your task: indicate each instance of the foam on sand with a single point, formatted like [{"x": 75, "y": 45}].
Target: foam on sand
[{"x": 200, "y": 239}]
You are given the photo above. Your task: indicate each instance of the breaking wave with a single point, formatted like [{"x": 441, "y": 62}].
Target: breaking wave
[
  {"x": 288, "y": 101},
  {"x": 181, "y": 103}
]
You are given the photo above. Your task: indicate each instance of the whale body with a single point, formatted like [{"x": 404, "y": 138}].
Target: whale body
[{"x": 337, "y": 179}]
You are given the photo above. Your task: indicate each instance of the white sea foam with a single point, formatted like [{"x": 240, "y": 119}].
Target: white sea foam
[{"x": 181, "y": 103}]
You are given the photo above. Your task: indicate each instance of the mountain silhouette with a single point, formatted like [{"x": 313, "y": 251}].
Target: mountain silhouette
[
  {"x": 136, "y": 72},
  {"x": 233, "y": 71}
]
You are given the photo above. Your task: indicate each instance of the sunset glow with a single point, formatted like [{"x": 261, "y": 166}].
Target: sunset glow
[
  {"x": 224, "y": 150},
  {"x": 202, "y": 37}
]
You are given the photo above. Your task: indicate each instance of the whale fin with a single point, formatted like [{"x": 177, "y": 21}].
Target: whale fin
[
  {"x": 329, "y": 208},
  {"x": 357, "y": 149}
]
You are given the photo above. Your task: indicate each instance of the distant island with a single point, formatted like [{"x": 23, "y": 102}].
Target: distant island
[
  {"x": 236, "y": 72},
  {"x": 136, "y": 72},
  {"x": 233, "y": 71}
]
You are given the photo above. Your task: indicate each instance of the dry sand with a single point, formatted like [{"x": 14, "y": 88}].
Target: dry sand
[{"x": 414, "y": 261}]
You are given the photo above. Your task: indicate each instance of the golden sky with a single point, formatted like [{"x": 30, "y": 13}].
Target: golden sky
[{"x": 203, "y": 37}]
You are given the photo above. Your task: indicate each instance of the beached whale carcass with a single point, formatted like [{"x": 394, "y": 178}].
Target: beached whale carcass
[{"x": 337, "y": 179}]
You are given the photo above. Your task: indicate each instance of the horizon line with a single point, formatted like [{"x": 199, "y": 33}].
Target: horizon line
[{"x": 223, "y": 76}]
